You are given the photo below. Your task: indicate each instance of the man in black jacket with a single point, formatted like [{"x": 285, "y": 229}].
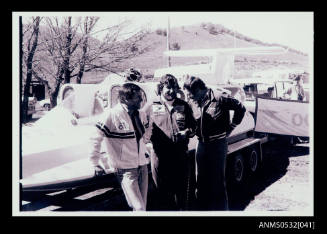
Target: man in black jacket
[
  {"x": 211, "y": 111},
  {"x": 171, "y": 125}
]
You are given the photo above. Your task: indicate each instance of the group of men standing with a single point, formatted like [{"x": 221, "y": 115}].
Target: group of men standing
[{"x": 167, "y": 124}]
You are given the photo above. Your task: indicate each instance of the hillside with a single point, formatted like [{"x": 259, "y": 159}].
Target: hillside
[
  {"x": 203, "y": 36},
  {"x": 200, "y": 37}
]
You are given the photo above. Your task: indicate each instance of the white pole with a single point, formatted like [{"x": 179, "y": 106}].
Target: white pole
[
  {"x": 234, "y": 38},
  {"x": 234, "y": 55},
  {"x": 168, "y": 39}
]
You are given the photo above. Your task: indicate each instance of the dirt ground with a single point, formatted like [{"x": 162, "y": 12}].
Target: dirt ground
[{"x": 286, "y": 181}]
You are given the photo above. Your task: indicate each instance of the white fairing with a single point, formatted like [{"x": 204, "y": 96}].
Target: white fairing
[
  {"x": 53, "y": 141},
  {"x": 53, "y": 145}
]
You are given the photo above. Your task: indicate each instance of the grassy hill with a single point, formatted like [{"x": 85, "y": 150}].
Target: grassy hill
[
  {"x": 200, "y": 37},
  {"x": 206, "y": 36}
]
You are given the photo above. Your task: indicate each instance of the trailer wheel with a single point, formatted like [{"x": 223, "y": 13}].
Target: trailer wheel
[
  {"x": 238, "y": 168},
  {"x": 253, "y": 160}
]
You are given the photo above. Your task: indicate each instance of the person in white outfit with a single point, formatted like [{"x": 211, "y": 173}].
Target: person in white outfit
[{"x": 122, "y": 128}]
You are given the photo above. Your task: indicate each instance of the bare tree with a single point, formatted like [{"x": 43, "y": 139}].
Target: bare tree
[
  {"x": 69, "y": 50},
  {"x": 60, "y": 44},
  {"x": 87, "y": 28},
  {"x": 107, "y": 55},
  {"x": 31, "y": 34}
]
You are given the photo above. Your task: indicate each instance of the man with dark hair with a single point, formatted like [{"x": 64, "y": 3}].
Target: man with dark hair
[
  {"x": 122, "y": 128},
  {"x": 132, "y": 75},
  {"x": 270, "y": 92},
  {"x": 211, "y": 111},
  {"x": 171, "y": 125}
]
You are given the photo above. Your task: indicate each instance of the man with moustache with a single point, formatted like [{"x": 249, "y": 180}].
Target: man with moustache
[{"x": 170, "y": 127}]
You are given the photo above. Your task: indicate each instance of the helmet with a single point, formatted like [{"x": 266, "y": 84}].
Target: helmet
[{"x": 133, "y": 75}]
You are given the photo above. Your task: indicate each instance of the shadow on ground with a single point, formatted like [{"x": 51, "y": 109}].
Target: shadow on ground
[
  {"x": 274, "y": 167},
  {"x": 96, "y": 197}
]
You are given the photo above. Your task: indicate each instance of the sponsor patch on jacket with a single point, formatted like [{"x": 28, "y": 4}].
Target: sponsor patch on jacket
[
  {"x": 211, "y": 110},
  {"x": 158, "y": 109},
  {"x": 122, "y": 125}
]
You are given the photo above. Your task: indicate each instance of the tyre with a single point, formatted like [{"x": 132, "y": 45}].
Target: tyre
[
  {"x": 236, "y": 180},
  {"x": 237, "y": 169},
  {"x": 253, "y": 160}
]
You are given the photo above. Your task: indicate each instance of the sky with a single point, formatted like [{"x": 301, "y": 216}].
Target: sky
[{"x": 293, "y": 29}]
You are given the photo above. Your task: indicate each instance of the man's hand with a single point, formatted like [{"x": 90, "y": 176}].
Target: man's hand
[
  {"x": 181, "y": 136},
  {"x": 75, "y": 118},
  {"x": 74, "y": 121},
  {"x": 99, "y": 171},
  {"x": 149, "y": 149}
]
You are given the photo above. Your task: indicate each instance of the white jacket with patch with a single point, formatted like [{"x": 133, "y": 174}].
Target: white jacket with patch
[{"x": 116, "y": 129}]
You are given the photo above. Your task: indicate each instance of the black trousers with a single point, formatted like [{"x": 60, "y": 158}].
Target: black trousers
[
  {"x": 169, "y": 173},
  {"x": 211, "y": 182}
]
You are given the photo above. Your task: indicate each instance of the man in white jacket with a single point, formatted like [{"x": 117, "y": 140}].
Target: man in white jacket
[{"x": 122, "y": 128}]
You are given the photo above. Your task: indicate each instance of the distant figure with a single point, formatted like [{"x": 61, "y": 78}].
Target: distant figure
[
  {"x": 270, "y": 92},
  {"x": 133, "y": 75},
  {"x": 68, "y": 102},
  {"x": 98, "y": 108},
  {"x": 296, "y": 92}
]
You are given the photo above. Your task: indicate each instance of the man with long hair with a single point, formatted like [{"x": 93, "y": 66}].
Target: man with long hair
[{"x": 171, "y": 126}]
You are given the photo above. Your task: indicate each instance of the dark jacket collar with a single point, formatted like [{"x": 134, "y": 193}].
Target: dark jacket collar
[{"x": 208, "y": 98}]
